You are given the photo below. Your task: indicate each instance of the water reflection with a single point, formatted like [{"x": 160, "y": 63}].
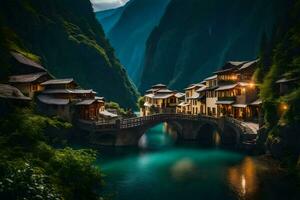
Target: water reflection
[
  {"x": 160, "y": 136},
  {"x": 184, "y": 169},
  {"x": 243, "y": 178},
  {"x": 216, "y": 139}
]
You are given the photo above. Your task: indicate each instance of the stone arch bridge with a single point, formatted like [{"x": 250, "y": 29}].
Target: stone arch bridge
[{"x": 127, "y": 132}]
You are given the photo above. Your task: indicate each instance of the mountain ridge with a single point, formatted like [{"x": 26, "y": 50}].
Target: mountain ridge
[
  {"x": 202, "y": 37},
  {"x": 70, "y": 43}
]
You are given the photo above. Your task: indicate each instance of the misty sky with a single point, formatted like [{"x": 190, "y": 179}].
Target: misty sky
[{"x": 107, "y": 4}]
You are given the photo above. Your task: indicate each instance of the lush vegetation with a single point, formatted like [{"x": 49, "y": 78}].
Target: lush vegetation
[
  {"x": 120, "y": 111},
  {"x": 280, "y": 58},
  {"x": 69, "y": 41},
  {"x": 141, "y": 102},
  {"x": 31, "y": 169}
]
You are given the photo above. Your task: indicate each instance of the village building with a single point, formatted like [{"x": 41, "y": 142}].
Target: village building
[
  {"x": 211, "y": 95},
  {"x": 27, "y": 75},
  {"x": 193, "y": 100},
  {"x": 9, "y": 97},
  {"x": 63, "y": 98},
  {"x": 287, "y": 83},
  {"x": 237, "y": 95},
  {"x": 159, "y": 99},
  {"x": 90, "y": 109},
  {"x": 29, "y": 84},
  {"x": 67, "y": 83}
]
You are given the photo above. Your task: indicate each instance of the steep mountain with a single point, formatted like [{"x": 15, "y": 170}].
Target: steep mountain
[
  {"x": 69, "y": 41},
  {"x": 128, "y": 36},
  {"x": 194, "y": 38},
  {"x": 109, "y": 18}
]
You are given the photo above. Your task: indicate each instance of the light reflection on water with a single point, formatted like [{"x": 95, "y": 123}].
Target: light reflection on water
[
  {"x": 243, "y": 178},
  {"x": 181, "y": 173}
]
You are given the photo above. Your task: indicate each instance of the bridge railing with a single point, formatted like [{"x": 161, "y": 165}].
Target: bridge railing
[
  {"x": 139, "y": 121},
  {"x": 240, "y": 125}
]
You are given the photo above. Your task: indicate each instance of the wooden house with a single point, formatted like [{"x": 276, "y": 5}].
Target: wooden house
[
  {"x": 287, "y": 84},
  {"x": 211, "y": 84},
  {"x": 236, "y": 90},
  {"x": 194, "y": 99},
  {"x": 159, "y": 99},
  {"x": 90, "y": 109},
  {"x": 67, "y": 83},
  {"x": 29, "y": 84}
]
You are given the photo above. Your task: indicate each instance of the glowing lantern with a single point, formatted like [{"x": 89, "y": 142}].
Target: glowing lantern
[
  {"x": 251, "y": 85},
  {"x": 285, "y": 106}
]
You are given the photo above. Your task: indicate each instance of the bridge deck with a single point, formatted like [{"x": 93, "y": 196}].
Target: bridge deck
[{"x": 247, "y": 128}]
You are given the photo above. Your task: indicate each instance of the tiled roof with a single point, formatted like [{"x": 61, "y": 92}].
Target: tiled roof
[
  {"x": 86, "y": 102},
  {"x": 100, "y": 98},
  {"x": 210, "y": 78},
  {"x": 52, "y": 101},
  {"x": 68, "y": 91},
  {"x": 239, "y": 105},
  {"x": 179, "y": 95},
  {"x": 225, "y": 70},
  {"x": 226, "y": 87},
  {"x": 237, "y": 63},
  {"x": 256, "y": 102},
  {"x": 105, "y": 113},
  {"x": 183, "y": 104},
  {"x": 26, "y": 78},
  {"x": 202, "y": 89},
  {"x": 225, "y": 102},
  {"x": 194, "y": 96},
  {"x": 159, "y": 85},
  {"x": 10, "y": 92},
  {"x": 286, "y": 80},
  {"x": 192, "y": 86},
  {"x": 164, "y": 91},
  {"x": 248, "y": 64},
  {"x": 159, "y": 96},
  {"x": 58, "y": 81},
  {"x": 151, "y": 90},
  {"x": 212, "y": 87},
  {"x": 26, "y": 61}
]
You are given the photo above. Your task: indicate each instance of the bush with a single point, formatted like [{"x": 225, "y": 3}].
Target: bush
[{"x": 31, "y": 169}]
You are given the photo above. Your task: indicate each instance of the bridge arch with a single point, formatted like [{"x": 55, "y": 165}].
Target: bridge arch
[
  {"x": 208, "y": 135},
  {"x": 230, "y": 136},
  {"x": 127, "y": 132},
  {"x": 175, "y": 127}
]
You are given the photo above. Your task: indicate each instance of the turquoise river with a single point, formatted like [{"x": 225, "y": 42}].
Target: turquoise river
[{"x": 160, "y": 170}]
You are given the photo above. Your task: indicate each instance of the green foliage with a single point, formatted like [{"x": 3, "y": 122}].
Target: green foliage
[
  {"x": 75, "y": 173},
  {"x": 141, "y": 102},
  {"x": 23, "y": 181},
  {"x": 285, "y": 60},
  {"x": 116, "y": 106},
  {"x": 31, "y": 169}
]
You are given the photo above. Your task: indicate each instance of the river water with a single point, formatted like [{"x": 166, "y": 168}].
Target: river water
[{"x": 160, "y": 170}]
